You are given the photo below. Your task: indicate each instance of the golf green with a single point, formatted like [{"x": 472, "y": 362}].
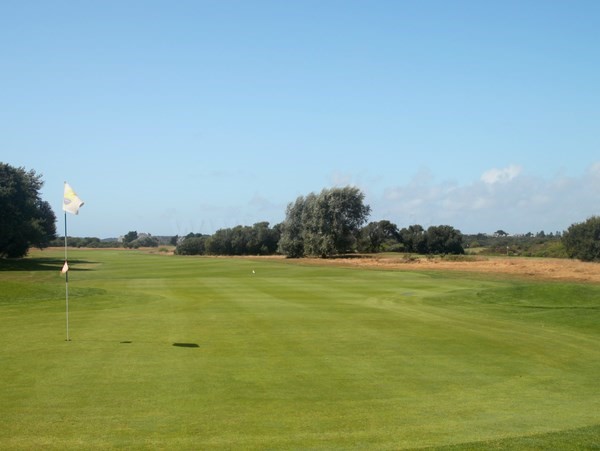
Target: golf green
[{"x": 174, "y": 352}]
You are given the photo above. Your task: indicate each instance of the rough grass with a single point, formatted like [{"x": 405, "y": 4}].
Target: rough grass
[{"x": 213, "y": 353}]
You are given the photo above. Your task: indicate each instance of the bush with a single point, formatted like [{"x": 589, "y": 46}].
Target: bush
[
  {"x": 195, "y": 245},
  {"x": 582, "y": 241}
]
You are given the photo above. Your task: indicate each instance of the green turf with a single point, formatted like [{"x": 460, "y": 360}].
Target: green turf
[{"x": 203, "y": 353}]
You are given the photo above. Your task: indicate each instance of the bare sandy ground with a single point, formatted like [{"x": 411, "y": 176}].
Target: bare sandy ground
[{"x": 531, "y": 268}]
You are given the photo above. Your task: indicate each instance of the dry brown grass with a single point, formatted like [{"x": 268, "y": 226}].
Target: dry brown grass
[{"x": 531, "y": 268}]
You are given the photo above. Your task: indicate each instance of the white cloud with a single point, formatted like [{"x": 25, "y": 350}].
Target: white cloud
[
  {"x": 507, "y": 199},
  {"x": 501, "y": 175}
]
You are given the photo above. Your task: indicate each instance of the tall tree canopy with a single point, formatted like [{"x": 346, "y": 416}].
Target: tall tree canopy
[
  {"x": 26, "y": 219},
  {"x": 324, "y": 224}
]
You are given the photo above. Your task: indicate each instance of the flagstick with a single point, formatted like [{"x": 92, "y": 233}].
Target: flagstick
[
  {"x": 66, "y": 280},
  {"x": 71, "y": 204}
]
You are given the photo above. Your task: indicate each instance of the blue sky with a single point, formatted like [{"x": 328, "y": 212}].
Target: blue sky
[{"x": 190, "y": 116}]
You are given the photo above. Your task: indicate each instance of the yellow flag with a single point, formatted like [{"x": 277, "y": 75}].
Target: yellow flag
[{"x": 71, "y": 202}]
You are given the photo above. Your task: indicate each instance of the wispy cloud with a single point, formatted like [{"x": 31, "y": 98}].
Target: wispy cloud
[
  {"x": 505, "y": 198},
  {"x": 501, "y": 175}
]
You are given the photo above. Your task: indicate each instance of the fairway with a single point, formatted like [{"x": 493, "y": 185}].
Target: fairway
[{"x": 176, "y": 352}]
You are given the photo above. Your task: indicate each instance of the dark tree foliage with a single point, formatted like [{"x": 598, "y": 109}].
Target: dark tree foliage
[
  {"x": 414, "y": 239},
  {"x": 582, "y": 240},
  {"x": 194, "y": 245},
  {"x": 375, "y": 235},
  {"x": 129, "y": 238},
  {"x": 25, "y": 220},
  {"x": 240, "y": 240},
  {"x": 444, "y": 239},
  {"x": 221, "y": 243},
  {"x": 263, "y": 240}
]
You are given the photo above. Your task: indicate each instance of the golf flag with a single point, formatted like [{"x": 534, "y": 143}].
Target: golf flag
[
  {"x": 71, "y": 202},
  {"x": 65, "y": 268}
]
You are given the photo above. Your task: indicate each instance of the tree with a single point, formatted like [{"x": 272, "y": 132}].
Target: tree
[
  {"x": 291, "y": 242},
  {"x": 444, "y": 239},
  {"x": 347, "y": 214},
  {"x": 26, "y": 220},
  {"x": 582, "y": 240},
  {"x": 239, "y": 238},
  {"x": 375, "y": 234},
  {"x": 414, "y": 239},
  {"x": 244, "y": 240},
  {"x": 194, "y": 245},
  {"x": 316, "y": 223},
  {"x": 146, "y": 241},
  {"x": 129, "y": 238},
  {"x": 263, "y": 240},
  {"x": 325, "y": 224},
  {"x": 220, "y": 243}
]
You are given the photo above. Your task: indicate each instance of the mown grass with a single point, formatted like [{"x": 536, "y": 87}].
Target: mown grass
[{"x": 215, "y": 353}]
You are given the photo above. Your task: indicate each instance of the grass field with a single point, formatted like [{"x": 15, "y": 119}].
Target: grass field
[{"x": 215, "y": 353}]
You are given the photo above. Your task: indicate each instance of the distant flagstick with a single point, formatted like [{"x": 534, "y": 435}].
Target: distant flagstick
[{"x": 71, "y": 204}]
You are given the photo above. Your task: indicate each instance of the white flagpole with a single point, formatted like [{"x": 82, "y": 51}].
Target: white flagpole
[{"x": 66, "y": 280}]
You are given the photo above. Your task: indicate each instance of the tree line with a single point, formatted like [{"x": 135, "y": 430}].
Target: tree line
[
  {"x": 260, "y": 239},
  {"x": 325, "y": 224}
]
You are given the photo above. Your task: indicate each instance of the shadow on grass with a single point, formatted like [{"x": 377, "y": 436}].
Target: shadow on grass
[
  {"x": 128, "y": 342},
  {"x": 40, "y": 264},
  {"x": 186, "y": 345}
]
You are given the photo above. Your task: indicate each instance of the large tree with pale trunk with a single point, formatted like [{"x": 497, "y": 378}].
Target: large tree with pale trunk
[{"x": 324, "y": 224}]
